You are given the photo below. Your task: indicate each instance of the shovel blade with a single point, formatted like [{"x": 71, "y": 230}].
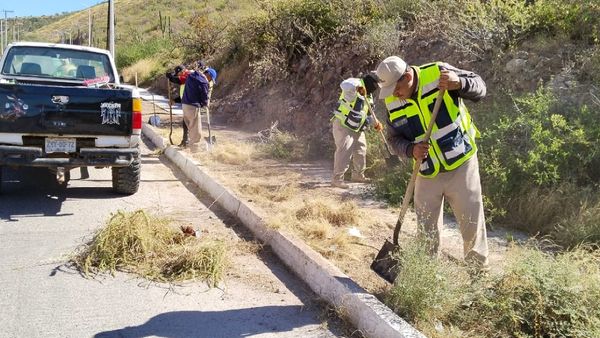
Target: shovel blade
[
  {"x": 385, "y": 265},
  {"x": 211, "y": 139}
]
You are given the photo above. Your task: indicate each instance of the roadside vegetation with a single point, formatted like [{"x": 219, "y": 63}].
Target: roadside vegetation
[
  {"x": 538, "y": 294},
  {"x": 149, "y": 246},
  {"x": 538, "y": 154}
]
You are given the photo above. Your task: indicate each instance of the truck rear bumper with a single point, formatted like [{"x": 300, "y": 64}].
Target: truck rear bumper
[{"x": 35, "y": 157}]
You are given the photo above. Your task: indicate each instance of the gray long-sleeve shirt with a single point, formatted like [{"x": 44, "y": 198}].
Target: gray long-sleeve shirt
[{"x": 472, "y": 88}]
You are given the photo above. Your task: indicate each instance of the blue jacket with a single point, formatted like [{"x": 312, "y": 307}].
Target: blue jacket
[{"x": 196, "y": 90}]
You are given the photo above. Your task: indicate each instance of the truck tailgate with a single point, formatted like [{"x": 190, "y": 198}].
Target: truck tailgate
[{"x": 40, "y": 109}]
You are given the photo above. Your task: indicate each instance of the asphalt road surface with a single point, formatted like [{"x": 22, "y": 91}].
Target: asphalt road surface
[{"x": 41, "y": 295}]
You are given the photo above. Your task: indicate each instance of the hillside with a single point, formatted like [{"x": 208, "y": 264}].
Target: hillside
[{"x": 136, "y": 20}]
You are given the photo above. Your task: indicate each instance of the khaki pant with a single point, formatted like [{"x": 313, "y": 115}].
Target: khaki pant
[
  {"x": 348, "y": 145},
  {"x": 191, "y": 117},
  {"x": 462, "y": 188}
]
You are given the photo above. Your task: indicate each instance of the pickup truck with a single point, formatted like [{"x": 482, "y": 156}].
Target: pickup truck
[{"x": 63, "y": 107}]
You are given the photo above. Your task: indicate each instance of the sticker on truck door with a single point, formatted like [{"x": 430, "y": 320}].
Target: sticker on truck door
[{"x": 110, "y": 112}]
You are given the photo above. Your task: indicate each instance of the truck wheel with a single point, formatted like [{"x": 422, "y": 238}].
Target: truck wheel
[{"x": 126, "y": 180}]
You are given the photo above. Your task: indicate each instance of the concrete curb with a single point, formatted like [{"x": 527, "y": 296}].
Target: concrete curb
[{"x": 364, "y": 310}]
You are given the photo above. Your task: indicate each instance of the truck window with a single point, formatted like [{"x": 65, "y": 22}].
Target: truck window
[{"x": 49, "y": 62}]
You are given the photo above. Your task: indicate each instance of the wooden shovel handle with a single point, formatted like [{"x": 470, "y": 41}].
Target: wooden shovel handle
[
  {"x": 413, "y": 177},
  {"x": 387, "y": 147},
  {"x": 170, "y": 112}
]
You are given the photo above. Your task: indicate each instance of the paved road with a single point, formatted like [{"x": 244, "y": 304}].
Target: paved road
[{"x": 41, "y": 296}]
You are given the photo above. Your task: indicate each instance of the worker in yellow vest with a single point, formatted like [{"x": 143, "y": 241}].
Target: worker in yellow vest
[
  {"x": 448, "y": 162},
  {"x": 348, "y": 124}
]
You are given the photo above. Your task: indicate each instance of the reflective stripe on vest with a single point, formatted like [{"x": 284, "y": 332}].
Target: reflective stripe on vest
[
  {"x": 353, "y": 115},
  {"x": 453, "y": 134}
]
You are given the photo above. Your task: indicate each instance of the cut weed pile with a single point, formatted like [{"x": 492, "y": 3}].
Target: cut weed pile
[{"x": 148, "y": 246}]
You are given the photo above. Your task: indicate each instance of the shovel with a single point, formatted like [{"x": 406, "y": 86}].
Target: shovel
[
  {"x": 391, "y": 160},
  {"x": 385, "y": 264},
  {"x": 211, "y": 139},
  {"x": 170, "y": 111}
]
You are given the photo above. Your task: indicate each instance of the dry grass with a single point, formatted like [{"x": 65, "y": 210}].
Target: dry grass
[
  {"x": 233, "y": 153},
  {"x": 336, "y": 213},
  {"x": 270, "y": 192},
  {"x": 144, "y": 69},
  {"x": 324, "y": 222},
  {"x": 148, "y": 246}
]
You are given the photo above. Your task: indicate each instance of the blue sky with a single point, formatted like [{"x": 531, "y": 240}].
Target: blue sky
[{"x": 43, "y": 7}]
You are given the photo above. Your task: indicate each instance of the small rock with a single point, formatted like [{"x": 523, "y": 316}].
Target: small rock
[
  {"x": 515, "y": 65},
  {"x": 439, "y": 327},
  {"x": 522, "y": 54}
]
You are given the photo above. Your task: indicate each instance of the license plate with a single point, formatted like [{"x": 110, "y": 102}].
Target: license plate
[{"x": 60, "y": 145}]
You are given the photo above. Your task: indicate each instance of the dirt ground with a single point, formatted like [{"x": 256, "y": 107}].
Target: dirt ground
[{"x": 281, "y": 189}]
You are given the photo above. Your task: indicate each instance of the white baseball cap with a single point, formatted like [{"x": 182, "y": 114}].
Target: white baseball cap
[{"x": 389, "y": 72}]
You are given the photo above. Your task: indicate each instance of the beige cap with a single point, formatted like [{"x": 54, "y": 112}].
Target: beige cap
[{"x": 389, "y": 72}]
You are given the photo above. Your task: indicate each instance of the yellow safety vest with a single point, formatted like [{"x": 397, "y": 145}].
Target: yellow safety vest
[
  {"x": 353, "y": 114},
  {"x": 453, "y": 135}
]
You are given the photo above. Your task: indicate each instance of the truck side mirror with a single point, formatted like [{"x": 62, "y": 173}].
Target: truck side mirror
[{"x": 121, "y": 78}]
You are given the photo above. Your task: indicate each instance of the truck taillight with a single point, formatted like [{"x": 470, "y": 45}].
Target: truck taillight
[{"x": 136, "y": 119}]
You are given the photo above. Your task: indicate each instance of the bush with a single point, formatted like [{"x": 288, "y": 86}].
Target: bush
[
  {"x": 285, "y": 146},
  {"x": 426, "y": 289},
  {"x": 578, "y": 19},
  {"x": 287, "y": 31},
  {"x": 581, "y": 225},
  {"x": 538, "y": 295},
  {"x": 538, "y": 158}
]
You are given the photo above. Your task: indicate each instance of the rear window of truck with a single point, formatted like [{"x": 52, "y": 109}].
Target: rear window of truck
[{"x": 48, "y": 62}]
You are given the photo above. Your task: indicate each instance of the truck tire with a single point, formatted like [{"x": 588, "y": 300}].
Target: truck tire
[{"x": 126, "y": 180}]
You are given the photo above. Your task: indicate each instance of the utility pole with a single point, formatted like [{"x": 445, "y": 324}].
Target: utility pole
[
  {"x": 111, "y": 27},
  {"x": 5, "y": 31},
  {"x": 89, "y": 27}
]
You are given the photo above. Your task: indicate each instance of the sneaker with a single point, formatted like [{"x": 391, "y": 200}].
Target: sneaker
[
  {"x": 339, "y": 184},
  {"x": 361, "y": 179}
]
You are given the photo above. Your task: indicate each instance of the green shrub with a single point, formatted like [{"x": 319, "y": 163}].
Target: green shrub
[
  {"x": 285, "y": 146},
  {"x": 537, "y": 156},
  {"x": 287, "y": 31},
  {"x": 579, "y": 19},
  {"x": 581, "y": 225},
  {"x": 391, "y": 185},
  {"x": 538, "y": 295},
  {"x": 426, "y": 289}
]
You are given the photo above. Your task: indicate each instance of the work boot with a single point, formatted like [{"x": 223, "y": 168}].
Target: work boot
[
  {"x": 359, "y": 179},
  {"x": 339, "y": 184},
  {"x": 184, "y": 138}
]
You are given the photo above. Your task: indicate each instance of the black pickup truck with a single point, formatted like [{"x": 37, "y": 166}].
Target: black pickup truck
[{"x": 63, "y": 107}]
